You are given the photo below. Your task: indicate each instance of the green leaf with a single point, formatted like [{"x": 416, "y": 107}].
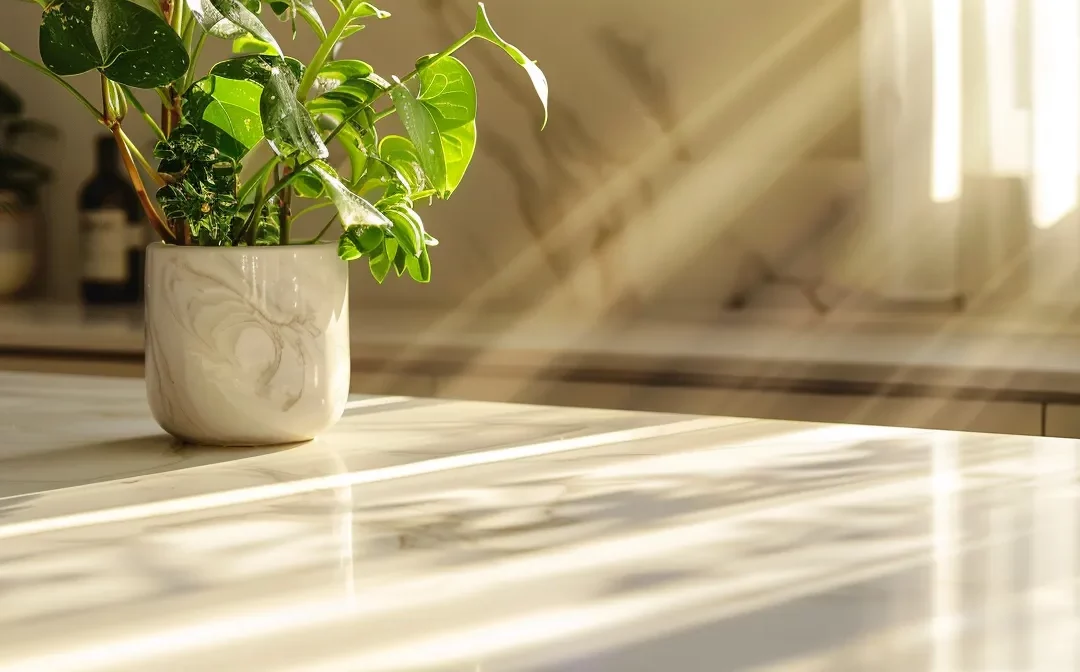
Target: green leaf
[
  {"x": 130, "y": 44},
  {"x": 249, "y": 44},
  {"x": 307, "y": 185},
  {"x": 239, "y": 15},
  {"x": 226, "y": 112},
  {"x": 448, "y": 91},
  {"x": 485, "y": 30},
  {"x": 401, "y": 261},
  {"x": 424, "y": 134},
  {"x": 356, "y": 241},
  {"x": 306, "y": 9},
  {"x": 380, "y": 261},
  {"x": 286, "y": 122},
  {"x": 348, "y": 79},
  {"x": 214, "y": 22},
  {"x": 459, "y": 144},
  {"x": 255, "y": 68},
  {"x": 352, "y": 209},
  {"x": 407, "y": 228},
  {"x": 419, "y": 267},
  {"x": 366, "y": 9},
  {"x": 400, "y": 153}
]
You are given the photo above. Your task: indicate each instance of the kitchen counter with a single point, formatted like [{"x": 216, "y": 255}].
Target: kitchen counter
[
  {"x": 987, "y": 360},
  {"x": 937, "y": 373},
  {"x": 465, "y": 536}
]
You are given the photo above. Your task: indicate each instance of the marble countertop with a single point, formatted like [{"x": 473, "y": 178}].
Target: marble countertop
[
  {"x": 936, "y": 358},
  {"x": 463, "y": 536}
]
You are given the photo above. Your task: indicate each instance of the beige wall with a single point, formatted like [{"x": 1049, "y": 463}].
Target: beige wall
[{"x": 688, "y": 142}]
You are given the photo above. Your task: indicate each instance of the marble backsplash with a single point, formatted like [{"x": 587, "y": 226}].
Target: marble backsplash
[{"x": 696, "y": 153}]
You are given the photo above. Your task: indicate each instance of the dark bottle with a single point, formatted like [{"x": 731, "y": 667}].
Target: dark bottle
[{"x": 113, "y": 233}]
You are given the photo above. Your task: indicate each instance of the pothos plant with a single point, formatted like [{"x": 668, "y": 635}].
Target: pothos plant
[{"x": 210, "y": 125}]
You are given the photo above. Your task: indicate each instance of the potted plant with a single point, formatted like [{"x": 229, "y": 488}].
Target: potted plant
[{"x": 246, "y": 327}]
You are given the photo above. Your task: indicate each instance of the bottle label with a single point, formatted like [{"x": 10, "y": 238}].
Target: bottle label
[{"x": 105, "y": 245}]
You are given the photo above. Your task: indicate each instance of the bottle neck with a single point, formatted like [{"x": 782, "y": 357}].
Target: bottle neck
[{"x": 108, "y": 157}]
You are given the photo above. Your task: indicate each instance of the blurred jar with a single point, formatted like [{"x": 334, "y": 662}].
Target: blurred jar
[{"x": 17, "y": 242}]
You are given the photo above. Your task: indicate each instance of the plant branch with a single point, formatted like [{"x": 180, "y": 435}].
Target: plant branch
[
  {"x": 384, "y": 114},
  {"x": 285, "y": 217},
  {"x": 249, "y": 223},
  {"x": 145, "y": 115},
  {"x": 156, "y": 220},
  {"x": 326, "y": 48},
  {"x": 56, "y": 78},
  {"x": 257, "y": 178},
  {"x": 326, "y": 228},
  {"x": 312, "y": 208},
  {"x": 189, "y": 79},
  {"x": 133, "y": 148}
]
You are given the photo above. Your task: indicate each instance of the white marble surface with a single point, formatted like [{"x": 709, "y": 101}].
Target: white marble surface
[
  {"x": 246, "y": 345},
  {"x": 457, "y": 536}
]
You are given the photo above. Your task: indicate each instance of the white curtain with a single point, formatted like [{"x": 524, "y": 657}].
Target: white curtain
[{"x": 971, "y": 113}]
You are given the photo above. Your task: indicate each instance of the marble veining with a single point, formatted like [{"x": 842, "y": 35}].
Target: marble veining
[
  {"x": 460, "y": 536},
  {"x": 246, "y": 346}
]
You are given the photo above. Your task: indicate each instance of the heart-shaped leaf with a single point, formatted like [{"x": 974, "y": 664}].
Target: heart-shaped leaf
[
  {"x": 256, "y": 68},
  {"x": 226, "y": 112},
  {"x": 286, "y": 122},
  {"x": 128, "y": 43},
  {"x": 448, "y": 91},
  {"x": 459, "y": 145},
  {"x": 424, "y": 134},
  {"x": 400, "y": 153},
  {"x": 485, "y": 30},
  {"x": 353, "y": 210}
]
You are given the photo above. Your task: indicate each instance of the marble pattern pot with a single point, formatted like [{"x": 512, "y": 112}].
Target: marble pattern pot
[{"x": 246, "y": 345}]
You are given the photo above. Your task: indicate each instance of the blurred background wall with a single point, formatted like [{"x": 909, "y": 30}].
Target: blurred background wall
[{"x": 693, "y": 148}]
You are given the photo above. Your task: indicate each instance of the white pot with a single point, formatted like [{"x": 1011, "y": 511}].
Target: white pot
[{"x": 246, "y": 345}]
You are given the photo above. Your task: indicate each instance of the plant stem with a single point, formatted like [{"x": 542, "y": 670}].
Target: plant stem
[
  {"x": 154, "y": 175},
  {"x": 326, "y": 47},
  {"x": 257, "y": 178},
  {"x": 312, "y": 208},
  {"x": 286, "y": 181},
  {"x": 384, "y": 114},
  {"x": 49, "y": 73},
  {"x": 136, "y": 181},
  {"x": 249, "y": 230},
  {"x": 285, "y": 217},
  {"x": 189, "y": 79},
  {"x": 319, "y": 236},
  {"x": 145, "y": 115}
]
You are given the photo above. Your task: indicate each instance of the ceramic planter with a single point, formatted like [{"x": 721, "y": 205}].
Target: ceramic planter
[{"x": 246, "y": 345}]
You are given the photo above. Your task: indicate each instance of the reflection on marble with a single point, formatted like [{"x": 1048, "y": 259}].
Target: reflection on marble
[{"x": 453, "y": 536}]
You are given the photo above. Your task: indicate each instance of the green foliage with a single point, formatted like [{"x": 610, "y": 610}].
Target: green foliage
[
  {"x": 201, "y": 185},
  {"x": 214, "y": 121},
  {"x": 129, "y": 44}
]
